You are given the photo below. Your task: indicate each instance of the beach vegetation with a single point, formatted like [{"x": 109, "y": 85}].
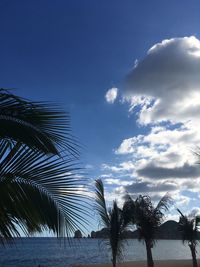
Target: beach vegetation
[
  {"x": 147, "y": 219},
  {"x": 113, "y": 220},
  {"x": 188, "y": 226}
]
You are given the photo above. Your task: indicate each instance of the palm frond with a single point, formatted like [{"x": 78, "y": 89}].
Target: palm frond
[
  {"x": 38, "y": 192},
  {"x": 128, "y": 210},
  {"x": 145, "y": 216},
  {"x": 100, "y": 203},
  {"x": 39, "y": 125},
  {"x": 180, "y": 213},
  {"x": 164, "y": 202},
  {"x": 188, "y": 228}
]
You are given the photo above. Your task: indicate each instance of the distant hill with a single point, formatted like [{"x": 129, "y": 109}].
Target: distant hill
[{"x": 168, "y": 230}]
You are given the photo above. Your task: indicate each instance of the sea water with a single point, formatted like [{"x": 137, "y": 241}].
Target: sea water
[{"x": 52, "y": 252}]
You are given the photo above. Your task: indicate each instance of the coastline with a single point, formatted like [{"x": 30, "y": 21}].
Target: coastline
[{"x": 157, "y": 263}]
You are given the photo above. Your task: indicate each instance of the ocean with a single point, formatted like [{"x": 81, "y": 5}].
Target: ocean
[{"x": 51, "y": 252}]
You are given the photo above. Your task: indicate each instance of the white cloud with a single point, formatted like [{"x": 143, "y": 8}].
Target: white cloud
[
  {"x": 111, "y": 95},
  {"x": 128, "y": 145},
  {"x": 159, "y": 161},
  {"x": 119, "y": 182},
  {"x": 166, "y": 83},
  {"x": 122, "y": 167},
  {"x": 164, "y": 146},
  {"x": 164, "y": 90}
]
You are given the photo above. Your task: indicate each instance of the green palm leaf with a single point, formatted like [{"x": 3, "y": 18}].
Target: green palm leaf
[
  {"x": 39, "y": 192},
  {"x": 164, "y": 203},
  {"x": 39, "y": 125},
  {"x": 101, "y": 203},
  {"x": 39, "y": 185}
]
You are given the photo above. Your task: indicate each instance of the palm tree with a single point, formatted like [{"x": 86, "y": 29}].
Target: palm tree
[
  {"x": 189, "y": 231},
  {"x": 147, "y": 219},
  {"x": 113, "y": 221},
  {"x": 39, "y": 188}
]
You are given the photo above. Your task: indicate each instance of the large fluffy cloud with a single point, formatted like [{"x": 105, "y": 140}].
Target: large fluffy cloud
[
  {"x": 164, "y": 90},
  {"x": 166, "y": 83}
]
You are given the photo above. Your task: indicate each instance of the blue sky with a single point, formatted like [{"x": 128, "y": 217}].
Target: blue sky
[{"x": 73, "y": 52}]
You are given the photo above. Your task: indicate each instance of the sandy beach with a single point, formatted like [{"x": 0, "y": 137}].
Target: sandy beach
[{"x": 157, "y": 263}]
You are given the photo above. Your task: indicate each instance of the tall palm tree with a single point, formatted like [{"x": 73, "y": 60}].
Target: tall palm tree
[
  {"x": 113, "y": 220},
  {"x": 39, "y": 188},
  {"x": 189, "y": 231},
  {"x": 147, "y": 219}
]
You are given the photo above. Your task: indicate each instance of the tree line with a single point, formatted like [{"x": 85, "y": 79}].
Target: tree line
[{"x": 146, "y": 217}]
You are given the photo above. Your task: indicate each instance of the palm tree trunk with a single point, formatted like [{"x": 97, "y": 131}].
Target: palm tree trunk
[
  {"x": 150, "y": 262},
  {"x": 193, "y": 252},
  {"x": 114, "y": 260}
]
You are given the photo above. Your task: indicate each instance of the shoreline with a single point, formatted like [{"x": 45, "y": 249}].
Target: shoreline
[{"x": 157, "y": 263}]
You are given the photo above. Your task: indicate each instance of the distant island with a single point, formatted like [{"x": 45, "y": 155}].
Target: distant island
[{"x": 168, "y": 230}]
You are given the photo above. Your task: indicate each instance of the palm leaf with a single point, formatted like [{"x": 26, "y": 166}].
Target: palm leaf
[
  {"x": 39, "y": 192},
  {"x": 188, "y": 228},
  {"x": 39, "y": 186},
  {"x": 100, "y": 203},
  {"x": 164, "y": 203},
  {"x": 39, "y": 125},
  {"x": 128, "y": 210}
]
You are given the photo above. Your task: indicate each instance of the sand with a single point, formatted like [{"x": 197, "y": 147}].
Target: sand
[{"x": 157, "y": 263}]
